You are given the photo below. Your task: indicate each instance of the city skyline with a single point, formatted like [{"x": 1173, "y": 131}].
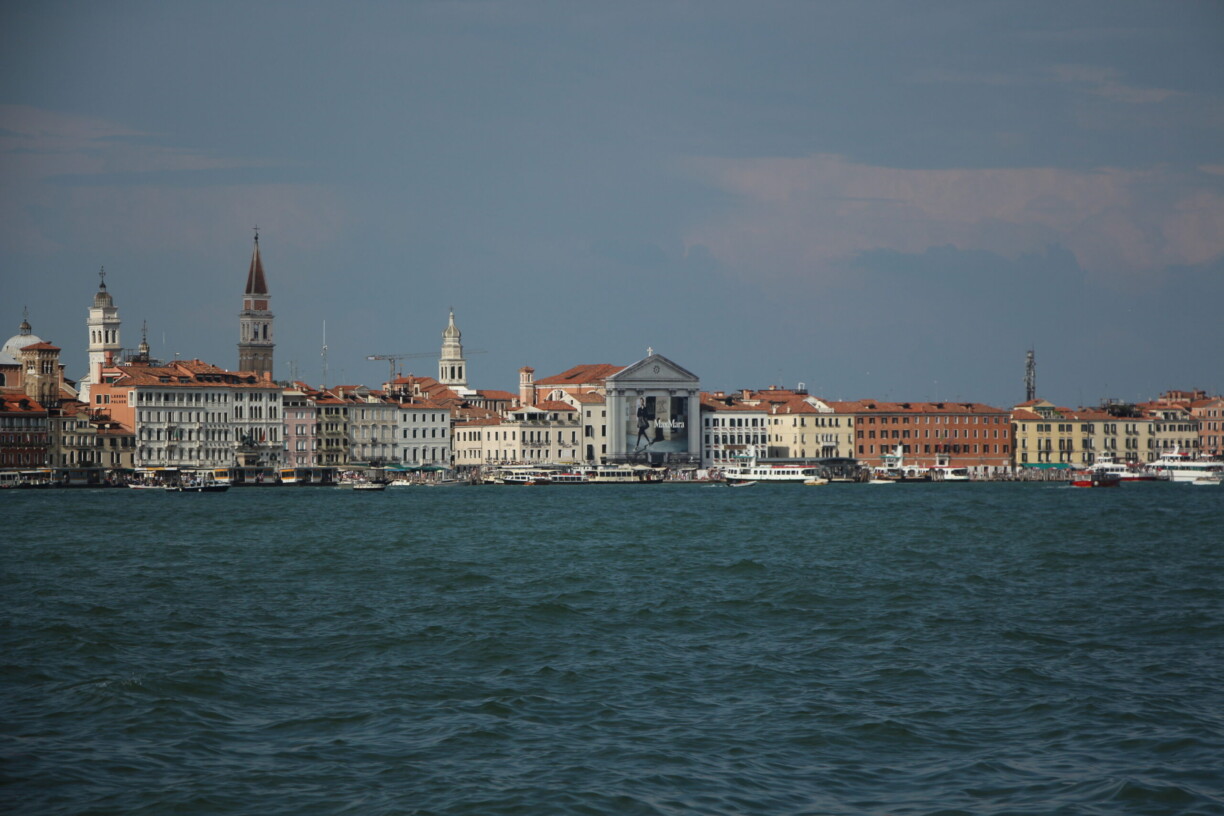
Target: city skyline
[{"x": 877, "y": 200}]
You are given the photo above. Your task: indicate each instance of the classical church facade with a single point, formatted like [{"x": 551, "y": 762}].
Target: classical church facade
[{"x": 654, "y": 410}]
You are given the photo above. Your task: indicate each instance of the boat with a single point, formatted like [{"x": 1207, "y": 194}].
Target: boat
[
  {"x": 815, "y": 481},
  {"x": 1091, "y": 477},
  {"x": 156, "y": 478},
  {"x": 622, "y": 474},
  {"x": 1182, "y": 467},
  {"x": 197, "y": 482},
  {"x": 740, "y": 484},
  {"x": 567, "y": 478},
  {"x": 522, "y": 476},
  {"x": 894, "y": 469},
  {"x": 1126, "y": 471},
  {"x": 1209, "y": 480},
  {"x": 752, "y": 471},
  {"x": 356, "y": 480},
  {"x": 947, "y": 473},
  {"x": 198, "y": 488}
]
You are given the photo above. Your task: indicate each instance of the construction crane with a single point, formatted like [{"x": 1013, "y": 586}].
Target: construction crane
[{"x": 393, "y": 358}]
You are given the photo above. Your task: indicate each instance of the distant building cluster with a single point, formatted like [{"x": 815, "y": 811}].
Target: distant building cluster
[{"x": 131, "y": 411}]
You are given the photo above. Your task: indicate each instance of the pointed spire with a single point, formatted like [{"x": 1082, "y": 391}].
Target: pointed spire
[{"x": 256, "y": 285}]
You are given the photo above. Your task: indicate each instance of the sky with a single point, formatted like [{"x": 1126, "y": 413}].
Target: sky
[{"x": 888, "y": 200}]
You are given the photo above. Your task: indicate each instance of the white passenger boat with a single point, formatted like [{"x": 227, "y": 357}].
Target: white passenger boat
[
  {"x": 894, "y": 469},
  {"x": 946, "y": 473},
  {"x": 522, "y": 476},
  {"x": 1125, "y": 471},
  {"x": 1181, "y": 467},
  {"x": 757, "y": 472},
  {"x": 622, "y": 474},
  {"x": 567, "y": 478}
]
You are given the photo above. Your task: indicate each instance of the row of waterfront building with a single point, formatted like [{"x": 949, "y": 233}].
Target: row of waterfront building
[{"x": 131, "y": 411}]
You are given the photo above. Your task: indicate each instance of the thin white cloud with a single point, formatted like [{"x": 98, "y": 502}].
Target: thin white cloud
[
  {"x": 1105, "y": 82},
  {"x": 799, "y": 215},
  {"x": 116, "y": 189},
  {"x": 36, "y": 143}
]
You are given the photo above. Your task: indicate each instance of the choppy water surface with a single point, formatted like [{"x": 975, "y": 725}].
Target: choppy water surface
[{"x": 675, "y": 649}]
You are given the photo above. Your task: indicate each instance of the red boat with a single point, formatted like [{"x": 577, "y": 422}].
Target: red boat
[{"x": 1095, "y": 478}]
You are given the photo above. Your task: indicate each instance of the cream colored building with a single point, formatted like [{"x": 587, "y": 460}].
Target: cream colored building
[
  {"x": 732, "y": 430},
  {"x": 582, "y": 387},
  {"x": 1047, "y": 435},
  {"x": 1174, "y": 428},
  {"x": 549, "y": 433}
]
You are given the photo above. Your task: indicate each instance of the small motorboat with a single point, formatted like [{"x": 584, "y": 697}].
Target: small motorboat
[{"x": 1095, "y": 478}]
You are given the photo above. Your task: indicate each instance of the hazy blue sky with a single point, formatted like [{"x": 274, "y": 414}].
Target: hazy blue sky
[{"x": 878, "y": 199}]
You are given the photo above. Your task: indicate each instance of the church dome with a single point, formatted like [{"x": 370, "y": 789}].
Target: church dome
[
  {"x": 14, "y": 345},
  {"x": 102, "y": 298}
]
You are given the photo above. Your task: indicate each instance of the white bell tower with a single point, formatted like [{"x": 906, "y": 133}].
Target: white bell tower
[
  {"x": 452, "y": 368},
  {"x": 103, "y": 324}
]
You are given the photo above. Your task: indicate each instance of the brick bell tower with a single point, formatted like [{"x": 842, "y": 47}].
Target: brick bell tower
[{"x": 255, "y": 342}]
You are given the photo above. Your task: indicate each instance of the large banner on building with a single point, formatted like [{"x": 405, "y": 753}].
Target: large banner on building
[{"x": 657, "y": 423}]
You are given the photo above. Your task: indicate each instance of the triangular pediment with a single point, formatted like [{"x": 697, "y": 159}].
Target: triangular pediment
[{"x": 653, "y": 369}]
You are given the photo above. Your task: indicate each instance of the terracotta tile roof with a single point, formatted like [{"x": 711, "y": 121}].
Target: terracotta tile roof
[
  {"x": 843, "y": 406},
  {"x": 883, "y": 407},
  {"x": 422, "y": 405},
  {"x": 589, "y": 398},
  {"x": 19, "y": 403},
  {"x": 497, "y": 395},
  {"x": 593, "y": 373},
  {"x": 728, "y": 404},
  {"x": 43, "y": 346},
  {"x": 191, "y": 373},
  {"x": 555, "y": 405}
]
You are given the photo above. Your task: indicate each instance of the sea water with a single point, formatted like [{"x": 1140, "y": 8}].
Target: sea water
[{"x": 669, "y": 649}]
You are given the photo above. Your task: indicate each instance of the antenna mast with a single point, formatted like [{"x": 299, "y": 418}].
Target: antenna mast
[
  {"x": 323, "y": 354},
  {"x": 1030, "y": 377}
]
